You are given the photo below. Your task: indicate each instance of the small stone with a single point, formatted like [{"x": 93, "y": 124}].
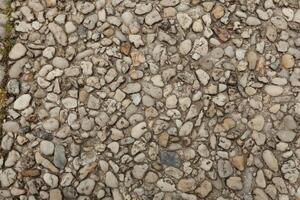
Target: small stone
[
  {"x": 166, "y": 185},
  {"x": 55, "y": 194},
  {"x": 271, "y": 33},
  {"x": 51, "y": 124},
  {"x": 170, "y": 158},
  {"x": 11, "y": 126},
  {"x": 17, "y": 51},
  {"x": 51, "y": 180},
  {"x": 69, "y": 102},
  {"x": 49, "y": 52},
  {"x": 186, "y": 185},
  {"x": 138, "y": 130},
  {"x": 111, "y": 180},
  {"x": 152, "y": 90},
  {"x": 234, "y": 183},
  {"x": 59, "y": 158},
  {"x": 238, "y": 162},
  {"x": 184, "y": 20},
  {"x": 132, "y": 88},
  {"x": 185, "y": 47},
  {"x": 204, "y": 189},
  {"x": 253, "y": 21},
  {"x": 60, "y": 62},
  {"x": 286, "y": 135},
  {"x": 58, "y": 33},
  {"x": 270, "y": 160},
  {"x": 218, "y": 11},
  {"x": 86, "y": 186},
  {"x": 22, "y": 102},
  {"x": 279, "y": 22},
  {"x": 139, "y": 171},
  {"x": 152, "y": 18},
  {"x": 186, "y": 129},
  {"x": 257, "y": 123},
  {"x": 296, "y": 16},
  {"x": 197, "y": 26},
  {"x": 273, "y": 90},
  {"x": 7, "y": 177},
  {"x": 224, "y": 168},
  {"x": 51, "y": 3},
  {"x": 46, "y": 147},
  {"x": 202, "y": 76},
  {"x": 85, "y": 7},
  {"x": 287, "y": 61}
]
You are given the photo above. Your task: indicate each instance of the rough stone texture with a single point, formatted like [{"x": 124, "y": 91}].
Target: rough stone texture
[{"x": 163, "y": 100}]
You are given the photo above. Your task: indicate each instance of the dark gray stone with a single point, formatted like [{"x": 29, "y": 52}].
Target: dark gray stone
[
  {"x": 59, "y": 157},
  {"x": 170, "y": 158}
]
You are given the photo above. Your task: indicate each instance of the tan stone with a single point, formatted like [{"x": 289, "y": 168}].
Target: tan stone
[
  {"x": 186, "y": 185},
  {"x": 163, "y": 139},
  {"x": 204, "y": 189},
  {"x": 218, "y": 11},
  {"x": 238, "y": 162},
  {"x": 287, "y": 61}
]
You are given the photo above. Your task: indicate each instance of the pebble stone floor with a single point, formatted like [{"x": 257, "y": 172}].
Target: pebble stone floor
[{"x": 151, "y": 100}]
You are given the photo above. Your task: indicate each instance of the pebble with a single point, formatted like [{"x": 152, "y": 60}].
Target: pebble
[
  {"x": 287, "y": 61},
  {"x": 170, "y": 158},
  {"x": 185, "y": 47},
  {"x": 152, "y": 17},
  {"x": 234, "y": 183},
  {"x": 286, "y": 135},
  {"x": 86, "y": 186},
  {"x": 273, "y": 90},
  {"x": 17, "y": 51},
  {"x": 58, "y": 33},
  {"x": 111, "y": 180},
  {"x": 22, "y": 102},
  {"x": 270, "y": 160},
  {"x": 46, "y": 147},
  {"x": 184, "y": 20},
  {"x": 59, "y": 158},
  {"x": 138, "y": 130}
]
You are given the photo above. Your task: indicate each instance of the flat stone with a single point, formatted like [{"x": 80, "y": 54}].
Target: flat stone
[
  {"x": 7, "y": 177},
  {"x": 138, "y": 130},
  {"x": 224, "y": 168},
  {"x": 17, "y": 51},
  {"x": 22, "y": 102},
  {"x": 59, "y": 34},
  {"x": 69, "y": 102},
  {"x": 186, "y": 185},
  {"x": 234, "y": 183},
  {"x": 273, "y": 90},
  {"x": 185, "y": 47},
  {"x": 166, "y": 185},
  {"x": 59, "y": 158},
  {"x": 287, "y": 61},
  {"x": 170, "y": 158},
  {"x": 286, "y": 135},
  {"x": 51, "y": 124},
  {"x": 152, "y": 18},
  {"x": 60, "y": 62},
  {"x": 86, "y": 186},
  {"x": 184, "y": 20},
  {"x": 257, "y": 123},
  {"x": 270, "y": 160},
  {"x": 186, "y": 129},
  {"x": 85, "y": 7},
  {"x": 111, "y": 180},
  {"x": 46, "y": 147}
]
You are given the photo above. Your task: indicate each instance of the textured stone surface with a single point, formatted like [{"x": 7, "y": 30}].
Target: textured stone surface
[{"x": 168, "y": 99}]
